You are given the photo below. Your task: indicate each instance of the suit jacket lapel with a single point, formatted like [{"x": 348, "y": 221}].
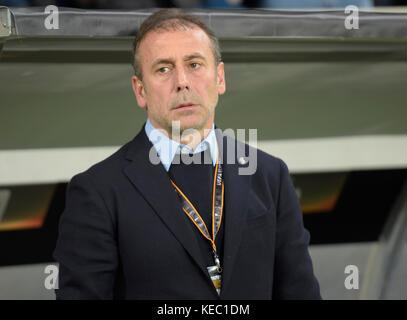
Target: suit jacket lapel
[
  {"x": 236, "y": 195},
  {"x": 153, "y": 183}
]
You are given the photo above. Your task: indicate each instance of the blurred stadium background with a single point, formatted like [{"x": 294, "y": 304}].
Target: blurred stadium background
[{"x": 329, "y": 101}]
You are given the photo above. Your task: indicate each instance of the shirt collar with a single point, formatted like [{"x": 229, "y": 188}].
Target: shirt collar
[{"x": 167, "y": 148}]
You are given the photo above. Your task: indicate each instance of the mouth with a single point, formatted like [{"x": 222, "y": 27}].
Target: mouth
[{"x": 185, "y": 106}]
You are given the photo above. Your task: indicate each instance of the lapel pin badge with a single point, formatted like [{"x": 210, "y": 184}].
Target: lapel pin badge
[{"x": 242, "y": 161}]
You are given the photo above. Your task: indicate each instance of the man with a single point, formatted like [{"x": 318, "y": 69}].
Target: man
[{"x": 146, "y": 224}]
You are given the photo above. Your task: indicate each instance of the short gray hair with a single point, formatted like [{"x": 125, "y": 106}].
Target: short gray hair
[{"x": 170, "y": 20}]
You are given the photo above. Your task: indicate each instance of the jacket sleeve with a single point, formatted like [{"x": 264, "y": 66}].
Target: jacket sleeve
[
  {"x": 293, "y": 272},
  {"x": 86, "y": 247}
]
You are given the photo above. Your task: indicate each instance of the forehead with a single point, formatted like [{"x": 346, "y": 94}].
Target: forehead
[{"x": 177, "y": 43}]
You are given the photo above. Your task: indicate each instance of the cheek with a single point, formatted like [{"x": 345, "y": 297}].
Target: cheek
[
  {"x": 159, "y": 97},
  {"x": 212, "y": 90},
  {"x": 207, "y": 88}
]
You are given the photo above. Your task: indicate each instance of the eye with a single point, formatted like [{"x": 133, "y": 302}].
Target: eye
[
  {"x": 163, "y": 70},
  {"x": 195, "y": 65}
]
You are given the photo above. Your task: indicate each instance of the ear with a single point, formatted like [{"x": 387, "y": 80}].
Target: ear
[
  {"x": 221, "y": 78},
  {"x": 140, "y": 93}
]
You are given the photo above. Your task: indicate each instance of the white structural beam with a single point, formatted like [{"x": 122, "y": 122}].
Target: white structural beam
[{"x": 373, "y": 152}]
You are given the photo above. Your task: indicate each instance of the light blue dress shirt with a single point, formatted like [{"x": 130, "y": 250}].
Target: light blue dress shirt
[{"x": 167, "y": 148}]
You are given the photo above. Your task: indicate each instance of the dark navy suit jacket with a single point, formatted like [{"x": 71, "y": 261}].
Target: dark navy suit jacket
[{"x": 123, "y": 235}]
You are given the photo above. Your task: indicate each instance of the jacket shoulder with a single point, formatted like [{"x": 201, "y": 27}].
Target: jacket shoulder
[{"x": 108, "y": 168}]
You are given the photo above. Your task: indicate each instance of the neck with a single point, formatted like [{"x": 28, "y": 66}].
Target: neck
[{"x": 191, "y": 137}]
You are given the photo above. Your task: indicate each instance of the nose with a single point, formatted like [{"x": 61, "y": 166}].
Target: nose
[{"x": 182, "y": 80}]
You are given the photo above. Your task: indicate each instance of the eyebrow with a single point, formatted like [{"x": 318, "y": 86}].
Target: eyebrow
[{"x": 195, "y": 55}]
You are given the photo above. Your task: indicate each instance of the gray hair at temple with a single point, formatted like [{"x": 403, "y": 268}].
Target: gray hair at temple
[{"x": 170, "y": 20}]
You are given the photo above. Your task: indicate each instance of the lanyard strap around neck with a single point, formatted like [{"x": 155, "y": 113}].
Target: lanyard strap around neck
[{"x": 217, "y": 207}]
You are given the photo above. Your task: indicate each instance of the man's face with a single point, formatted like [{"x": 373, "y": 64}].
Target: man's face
[{"x": 180, "y": 79}]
